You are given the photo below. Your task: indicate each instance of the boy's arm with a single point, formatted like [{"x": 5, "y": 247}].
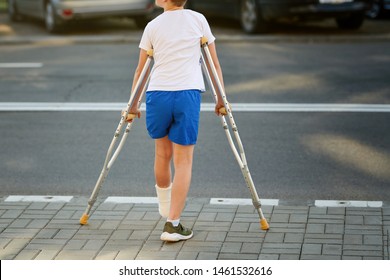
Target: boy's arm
[
  {"x": 214, "y": 56},
  {"x": 134, "y": 112}
]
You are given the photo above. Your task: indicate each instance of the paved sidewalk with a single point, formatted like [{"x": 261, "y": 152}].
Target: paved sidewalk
[{"x": 123, "y": 231}]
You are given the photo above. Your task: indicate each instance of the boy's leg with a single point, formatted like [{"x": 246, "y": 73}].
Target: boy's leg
[
  {"x": 182, "y": 158},
  {"x": 162, "y": 170},
  {"x": 162, "y": 161},
  {"x": 173, "y": 230}
]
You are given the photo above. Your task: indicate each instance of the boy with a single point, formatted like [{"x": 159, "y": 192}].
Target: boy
[{"x": 173, "y": 103}]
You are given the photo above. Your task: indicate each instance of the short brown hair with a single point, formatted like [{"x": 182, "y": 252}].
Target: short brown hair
[{"x": 179, "y": 3}]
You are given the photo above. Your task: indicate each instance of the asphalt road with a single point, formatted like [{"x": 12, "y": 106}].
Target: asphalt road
[{"x": 292, "y": 155}]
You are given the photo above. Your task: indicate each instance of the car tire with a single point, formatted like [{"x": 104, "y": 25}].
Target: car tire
[
  {"x": 354, "y": 21},
  {"x": 376, "y": 9},
  {"x": 12, "y": 9},
  {"x": 251, "y": 18},
  {"x": 52, "y": 22}
]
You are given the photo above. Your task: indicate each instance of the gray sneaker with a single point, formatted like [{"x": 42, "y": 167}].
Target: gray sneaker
[{"x": 173, "y": 234}]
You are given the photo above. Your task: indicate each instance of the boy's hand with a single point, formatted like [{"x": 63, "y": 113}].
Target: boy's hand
[
  {"x": 131, "y": 115},
  {"x": 221, "y": 110}
]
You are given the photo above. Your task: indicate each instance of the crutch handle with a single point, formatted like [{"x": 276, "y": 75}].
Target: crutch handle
[
  {"x": 223, "y": 110},
  {"x": 130, "y": 116}
]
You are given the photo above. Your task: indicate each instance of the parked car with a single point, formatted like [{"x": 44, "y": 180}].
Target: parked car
[
  {"x": 378, "y": 8},
  {"x": 255, "y": 15},
  {"x": 56, "y": 13}
]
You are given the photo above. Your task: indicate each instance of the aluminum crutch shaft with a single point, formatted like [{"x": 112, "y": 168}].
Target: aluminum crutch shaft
[
  {"x": 218, "y": 92},
  {"x": 138, "y": 91}
]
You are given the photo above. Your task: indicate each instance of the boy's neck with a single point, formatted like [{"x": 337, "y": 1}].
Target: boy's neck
[{"x": 170, "y": 7}]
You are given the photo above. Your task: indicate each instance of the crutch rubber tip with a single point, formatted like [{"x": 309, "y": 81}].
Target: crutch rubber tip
[
  {"x": 264, "y": 224},
  {"x": 84, "y": 219}
]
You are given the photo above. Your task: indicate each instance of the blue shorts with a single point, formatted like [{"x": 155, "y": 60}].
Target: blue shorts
[{"x": 173, "y": 113}]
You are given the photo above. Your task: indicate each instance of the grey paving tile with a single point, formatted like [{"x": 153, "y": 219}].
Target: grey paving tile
[
  {"x": 253, "y": 237},
  {"x": 187, "y": 256},
  {"x": 207, "y": 216},
  {"x": 19, "y": 223},
  {"x": 27, "y": 254},
  {"x": 65, "y": 233},
  {"x": 315, "y": 228},
  {"x": 332, "y": 249},
  {"x": 311, "y": 249},
  {"x": 132, "y": 231},
  {"x": 207, "y": 256},
  {"x": 231, "y": 247},
  {"x": 293, "y": 237},
  {"x": 232, "y": 256},
  {"x": 156, "y": 255},
  {"x": 76, "y": 255},
  {"x": 334, "y": 228},
  {"x": 354, "y": 220},
  {"x": 289, "y": 256},
  {"x": 353, "y": 239},
  {"x": 12, "y": 213},
  {"x": 251, "y": 248},
  {"x": 202, "y": 246},
  {"x": 216, "y": 236},
  {"x": 281, "y": 248},
  {"x": 47, "y": 254},
  {"x": 107, "y": 255},
  {"x": 19, "y": 233},
  {"x": 274, "y": 237},
  {"x": 268, "y": 256},
  {"x": 320, "y": 257},
  {"x": 287, "y": 228},
  {"x": 373, "y": 240}
]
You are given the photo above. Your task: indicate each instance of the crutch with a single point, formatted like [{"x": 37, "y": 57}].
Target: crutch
[
  {"x": 240, "y": 156},
  {"x": 139, "y": 91}
]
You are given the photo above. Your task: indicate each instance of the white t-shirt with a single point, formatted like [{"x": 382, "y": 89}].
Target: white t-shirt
[{"x": 175, "y": 38}]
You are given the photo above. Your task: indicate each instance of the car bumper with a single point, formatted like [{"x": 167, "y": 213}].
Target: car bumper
[
  {"x": 272, "y": 10},
  {"x": 69, "y": 10}
]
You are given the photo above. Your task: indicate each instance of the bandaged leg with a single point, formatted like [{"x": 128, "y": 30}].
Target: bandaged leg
[{"x": 164, "y": 200}]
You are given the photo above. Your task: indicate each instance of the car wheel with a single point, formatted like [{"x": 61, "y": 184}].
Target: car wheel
[
  {"x": 376, "y": 9},
  {"x": 13, "y": 13},
  {"x": 52, "y": 23},
  {"x": 353, "y": 21},
  {"x": 251, "y": 18}
]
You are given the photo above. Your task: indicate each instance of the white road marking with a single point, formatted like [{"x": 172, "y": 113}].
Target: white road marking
[
  {"x": 21, "y": 65},
  {"x": 130, "y": 199},
  {"x": 347, "y": 203},
  {"x": 242, "y": 201},
  {"x": 206, "y": 107},
  {"x": 37, "y": 198},
  {"x": 214, "y": 201}
]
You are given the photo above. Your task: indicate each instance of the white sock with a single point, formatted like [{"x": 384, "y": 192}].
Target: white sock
[
  {"x": 175, "y": 223},
  {"x": 164, "y": 200}
]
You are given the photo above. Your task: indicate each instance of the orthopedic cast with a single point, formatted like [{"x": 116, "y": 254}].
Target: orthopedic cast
[{"x": 164, "y": 200}]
